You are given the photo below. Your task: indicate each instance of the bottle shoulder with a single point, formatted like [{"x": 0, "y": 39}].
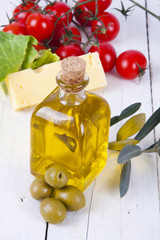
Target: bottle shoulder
[
  {"x": 92, "y": 105},
  {"x": 97, "y": 101}
]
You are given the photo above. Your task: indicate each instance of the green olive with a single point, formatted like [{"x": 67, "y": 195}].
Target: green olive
[
  {"x": 52, "y": 210},
  {"x": 56, "y": 176},
  {"x": 71, "y": 196},
  {"x": 39, "y": 189}
]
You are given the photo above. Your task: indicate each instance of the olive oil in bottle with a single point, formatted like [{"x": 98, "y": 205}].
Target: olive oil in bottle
[{"x": 71, "y": 127}]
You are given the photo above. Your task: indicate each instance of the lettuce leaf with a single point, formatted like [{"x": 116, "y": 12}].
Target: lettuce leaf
[
  {"x": 3, "y": 89},
  {"x": 16, "y": 51},
  {"x": 44, "y": 57},
  {"x": 31, "y": 53}
]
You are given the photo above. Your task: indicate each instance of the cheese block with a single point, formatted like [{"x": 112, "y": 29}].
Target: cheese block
[{"x": 29, "y": 87}]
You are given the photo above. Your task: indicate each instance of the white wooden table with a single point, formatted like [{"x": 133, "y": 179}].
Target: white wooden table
[{"x": 106, "y": 216}]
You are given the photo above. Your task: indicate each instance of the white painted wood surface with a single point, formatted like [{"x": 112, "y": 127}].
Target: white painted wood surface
[{"x": 106, "y": 216}]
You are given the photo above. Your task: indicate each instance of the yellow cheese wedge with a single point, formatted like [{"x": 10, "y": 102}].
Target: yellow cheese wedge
[{"x": 29, "y": 87}]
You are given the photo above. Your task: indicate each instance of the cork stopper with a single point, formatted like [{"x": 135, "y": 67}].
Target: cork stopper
[{"x": 73, "y": 70}]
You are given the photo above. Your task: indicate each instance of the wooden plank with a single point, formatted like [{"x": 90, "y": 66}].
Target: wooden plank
[
  {"x": 130, "y": 217},
  {"x": 19, "y": 213},
  {"x": 19, "y": 217},
  {"x": 154, "y": 50}
]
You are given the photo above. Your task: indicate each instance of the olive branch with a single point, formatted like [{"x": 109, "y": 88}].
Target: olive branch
[{"x": 128, "y": 147}]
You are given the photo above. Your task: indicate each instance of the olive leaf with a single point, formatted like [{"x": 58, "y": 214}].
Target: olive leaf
[
  {"x": 118, "y": 145},
  {"x": 125, "y": 113},
  {"x": 125, "y": 178},
  {"x": 152, "y": 122},
  {"x": 128, "y": 152},
  {"x": 154, "y": 147},
  {"x": 132, "y": 126},
  {"x": 68, "y": 141}
]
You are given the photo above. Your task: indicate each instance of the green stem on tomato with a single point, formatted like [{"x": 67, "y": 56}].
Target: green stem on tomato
[
  {"x": 82, "y": 28},
  {"x": 32, "y": 9},
  {"x": 58, "y": 18}
]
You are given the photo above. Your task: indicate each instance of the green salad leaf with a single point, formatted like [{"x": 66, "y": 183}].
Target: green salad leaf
[
  {"x": 44, "y": 57},
  {"x": 30, "y": 55},
  {"x": 15, "y": 51},
  {"x": 3, "y": 89}
]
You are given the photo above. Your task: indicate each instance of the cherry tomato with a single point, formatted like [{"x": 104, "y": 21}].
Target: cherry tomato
[
  {"x": 69, "y": 50},
  {"x": 54, "y": 40},
  {"x": 131, "y": 64},
  {"x": 106, "y": 27},
  {"x": 58, "y": 9},
  {"x": 40, "y": 26},
  {"x": 39, "y": 46},
  {"x": 101, "y": 5},
  {"x": 107, "y": 55},
  {"x": 15, "y": 28},
  {"x": 82, "y": 14},
  {"x": 21, "y": 12},
  {"x": 68, "y": 35}
]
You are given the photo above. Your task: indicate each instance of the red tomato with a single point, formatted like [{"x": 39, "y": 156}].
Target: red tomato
[
  {"x": 107, "y": 55},
  {"x": 21, "y": 12},
  {"x": 54, "y": 40},
  {"x": 68, "y": 35},
  {"x": 39, "y": 46},
  {"x": 15, "y": 28},
  {"x": 101, "y": 5},
  {"x": 131, "y": 64},
  {"x": 58, "y": 9},
  {"x": 39, "y": 26},
  {"x": 69, "y": 50},
  {"x": 106, "y": 27},
  {"x": 82, "y": 14}
]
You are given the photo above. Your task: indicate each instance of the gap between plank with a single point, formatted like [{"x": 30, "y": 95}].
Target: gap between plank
[
  {"x": 151, "y": 90},
  {"x": 90, "y": 210},
  {"x": 149, "y": 58},
  {"x": 46, "y": 233}
]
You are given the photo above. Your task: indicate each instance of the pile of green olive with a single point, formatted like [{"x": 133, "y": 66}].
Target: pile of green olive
[{"x": 57, "y": 197}]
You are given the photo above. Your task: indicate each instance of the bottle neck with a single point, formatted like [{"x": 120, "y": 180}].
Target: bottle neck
[
  {"x": 73, "y": 94},
  {"x": 72, "y": 99}
]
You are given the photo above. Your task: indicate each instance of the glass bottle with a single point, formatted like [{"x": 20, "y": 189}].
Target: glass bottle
[{"x": 71, "y": 127}]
